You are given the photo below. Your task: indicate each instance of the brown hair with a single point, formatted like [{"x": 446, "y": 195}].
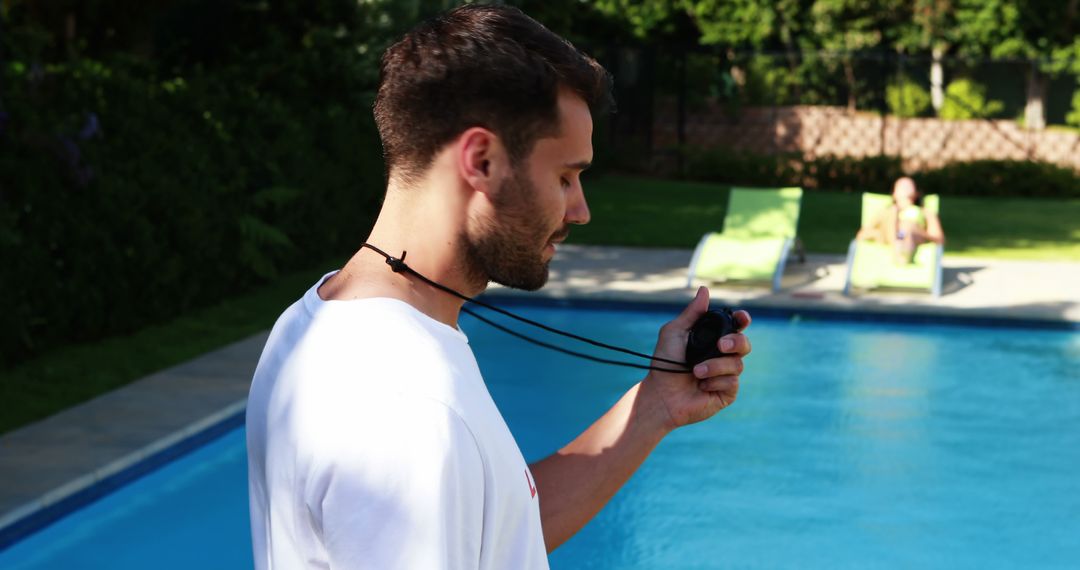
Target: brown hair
[{"x": 477, "y": 65}]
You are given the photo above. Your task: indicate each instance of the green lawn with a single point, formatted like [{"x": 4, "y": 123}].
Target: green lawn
[
  {"x": 661, "y": 213},
  {"x": 67, "y": 376},
  {"x": 625, "y": 211}
]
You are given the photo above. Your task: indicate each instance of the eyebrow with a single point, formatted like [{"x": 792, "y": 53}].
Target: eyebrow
[{"x": 581, "y": 165}]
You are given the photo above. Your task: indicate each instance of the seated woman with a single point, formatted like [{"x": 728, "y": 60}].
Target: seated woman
[{"x": 904, "y": 224}]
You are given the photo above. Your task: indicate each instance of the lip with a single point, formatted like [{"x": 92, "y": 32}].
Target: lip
[{"x": 555, "y": 241}]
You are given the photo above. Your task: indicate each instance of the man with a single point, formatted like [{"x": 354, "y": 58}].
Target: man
[
  {"x": 905, "y": 223},
  {"x": 372, "y": 439}
]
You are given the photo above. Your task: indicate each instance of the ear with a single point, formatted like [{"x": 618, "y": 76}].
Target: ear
[{"x": 482, "y": 159}]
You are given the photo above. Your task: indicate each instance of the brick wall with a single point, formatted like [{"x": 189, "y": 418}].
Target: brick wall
[{"x": 819, "y": 130}]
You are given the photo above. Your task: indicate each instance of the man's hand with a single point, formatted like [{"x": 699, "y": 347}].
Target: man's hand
[
  {"x": 576, "y": 482},
  {"x": 690, "y": 398}
]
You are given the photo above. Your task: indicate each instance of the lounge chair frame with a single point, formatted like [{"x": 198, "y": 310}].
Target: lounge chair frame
[
  {"x": 787, "y": 245},
  {"x": 936, "y": 281}
]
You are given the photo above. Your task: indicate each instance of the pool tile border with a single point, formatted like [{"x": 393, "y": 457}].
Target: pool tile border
[
  {"x": 74, "y": 495},
  {"x": 780, "y": 311}
]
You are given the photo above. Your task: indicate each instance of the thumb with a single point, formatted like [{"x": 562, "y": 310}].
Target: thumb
[{"x": 697, "y": 307}]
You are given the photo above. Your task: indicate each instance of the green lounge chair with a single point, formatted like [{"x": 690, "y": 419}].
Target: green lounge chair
[
  {"x": 871, "y": 265},
  {"x": 759, "y": 231}
]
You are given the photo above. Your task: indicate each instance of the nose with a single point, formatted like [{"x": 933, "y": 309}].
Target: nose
[{"x": 577, "y": 209}]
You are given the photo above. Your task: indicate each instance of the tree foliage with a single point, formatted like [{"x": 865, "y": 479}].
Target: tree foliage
[
  {"x": 192, "y": 148},
  {"x": 906, "y": 98},
  {"x": 1019, "y": 29},
  {"x": 966, "y": 99},
  {"x": 161, "y": 170}
]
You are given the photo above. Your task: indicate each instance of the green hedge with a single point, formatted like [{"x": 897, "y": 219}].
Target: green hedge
[
  {"x": 1001, "y": 178},
  {"x": 877, "y": 173},
  {"x": 789, "y": 169},
  {"x": 130, "y": 196}
]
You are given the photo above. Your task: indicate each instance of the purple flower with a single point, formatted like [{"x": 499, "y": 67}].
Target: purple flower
[
  {"x": 37, "y": 73},
  {"x": 69, "y": 152},
  {"x": 91, "y": 128}
]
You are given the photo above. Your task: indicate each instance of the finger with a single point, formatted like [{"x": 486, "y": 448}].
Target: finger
[
  {"x": 723, "y": 366},
  {"x": 735, "y": 343},
  {"x": 697, "y": 307},
  {"x": 742, "y": 320},
  {"x": 720, "y": 384}
]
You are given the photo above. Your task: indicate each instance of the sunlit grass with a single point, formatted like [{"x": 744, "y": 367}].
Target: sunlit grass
[
  {"x": 660, "y": 213},
  {"x": 67, "y": 376}
]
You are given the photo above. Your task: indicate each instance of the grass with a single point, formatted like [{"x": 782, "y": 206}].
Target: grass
[
  {"x": 661, "y": 213},
  {"x": 625, "y": 211},
  {"x": 70, "y": 375}
]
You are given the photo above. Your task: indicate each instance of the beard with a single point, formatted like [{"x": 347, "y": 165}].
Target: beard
[{"x": 508, "y": 246}]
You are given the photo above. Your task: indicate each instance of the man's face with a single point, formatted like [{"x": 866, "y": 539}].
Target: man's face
[
  {"x": 533, "y": 209},
  {"x": 509, "y": 248}
]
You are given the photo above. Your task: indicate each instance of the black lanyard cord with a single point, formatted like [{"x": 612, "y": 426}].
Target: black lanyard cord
[
  {"x": 398, "y": 266},
  {"x": 565, "y": 350}
]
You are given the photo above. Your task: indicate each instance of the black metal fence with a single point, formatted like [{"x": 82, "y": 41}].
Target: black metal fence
[{"x": 924, "y": 111}]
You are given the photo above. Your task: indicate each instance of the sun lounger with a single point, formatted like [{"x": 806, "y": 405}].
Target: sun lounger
[
  {"x": 759, "y": 231},
  {"x": 871, "y": 264}
]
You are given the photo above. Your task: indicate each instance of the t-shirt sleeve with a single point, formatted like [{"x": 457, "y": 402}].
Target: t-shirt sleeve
[{"x": 409, "y": 493}]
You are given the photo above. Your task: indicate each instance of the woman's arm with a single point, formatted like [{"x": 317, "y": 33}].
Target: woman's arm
[
  {"x": 874, "y": 230},
  {"x": 934, "y": 231}
]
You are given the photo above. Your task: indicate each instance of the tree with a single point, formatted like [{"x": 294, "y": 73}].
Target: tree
[
  {"x": 1042, "y": 32},
  {"x": 848, "y": 27},
  {"x": 966, "y": 99},
  {"x": 930, "y": 29},
  {"x": 906, "y": 98}
]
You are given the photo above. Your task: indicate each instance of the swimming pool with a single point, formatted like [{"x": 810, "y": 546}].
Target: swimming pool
[{"x": 852, "y": 444}]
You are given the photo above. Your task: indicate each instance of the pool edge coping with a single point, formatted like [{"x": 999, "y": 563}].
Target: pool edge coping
[
  {"x": 33, "y": 516},
  {"x": 779, "y": 309}
]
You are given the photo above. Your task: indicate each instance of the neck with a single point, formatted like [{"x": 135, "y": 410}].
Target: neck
[{"x": 424, "y": 226}]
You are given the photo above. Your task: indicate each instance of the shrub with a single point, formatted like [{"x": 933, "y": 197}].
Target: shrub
[
  {"x": 966, "y": 99},
  {"x": 742, "y": 168},
  {"x": 1001, "y": 178},
  {"x": 1073, "y": 118},
  {"x": 977, "y": 178},
  {"x": 767, "y": 82},
  {"x": 906, "y": 98},
  {"x": 850, "y": 174},
  {"x": 129, "y": 198},
  {"x": 789, "y": 169}
]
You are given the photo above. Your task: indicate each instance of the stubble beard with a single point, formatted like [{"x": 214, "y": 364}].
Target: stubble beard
[{"x": 507, "y": 248}]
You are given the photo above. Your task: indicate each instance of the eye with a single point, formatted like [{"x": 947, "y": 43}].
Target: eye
[{"x": 564, "y": 182}]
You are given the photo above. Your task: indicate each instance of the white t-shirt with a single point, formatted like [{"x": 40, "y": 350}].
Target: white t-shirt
[{"x": 373, "y": 443}]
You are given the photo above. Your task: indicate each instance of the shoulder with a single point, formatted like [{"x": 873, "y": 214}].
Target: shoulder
[
  {"x": 367, "y": 373},
  {"x": 883, "y": 214},
  {"x": 393, "y": 427},
  {"x": 375, "y": 365},
  {"x": 376, "y": 338}
]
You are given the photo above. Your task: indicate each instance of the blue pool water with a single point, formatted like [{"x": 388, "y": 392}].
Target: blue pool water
[{"x": 852, "y": 445}]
